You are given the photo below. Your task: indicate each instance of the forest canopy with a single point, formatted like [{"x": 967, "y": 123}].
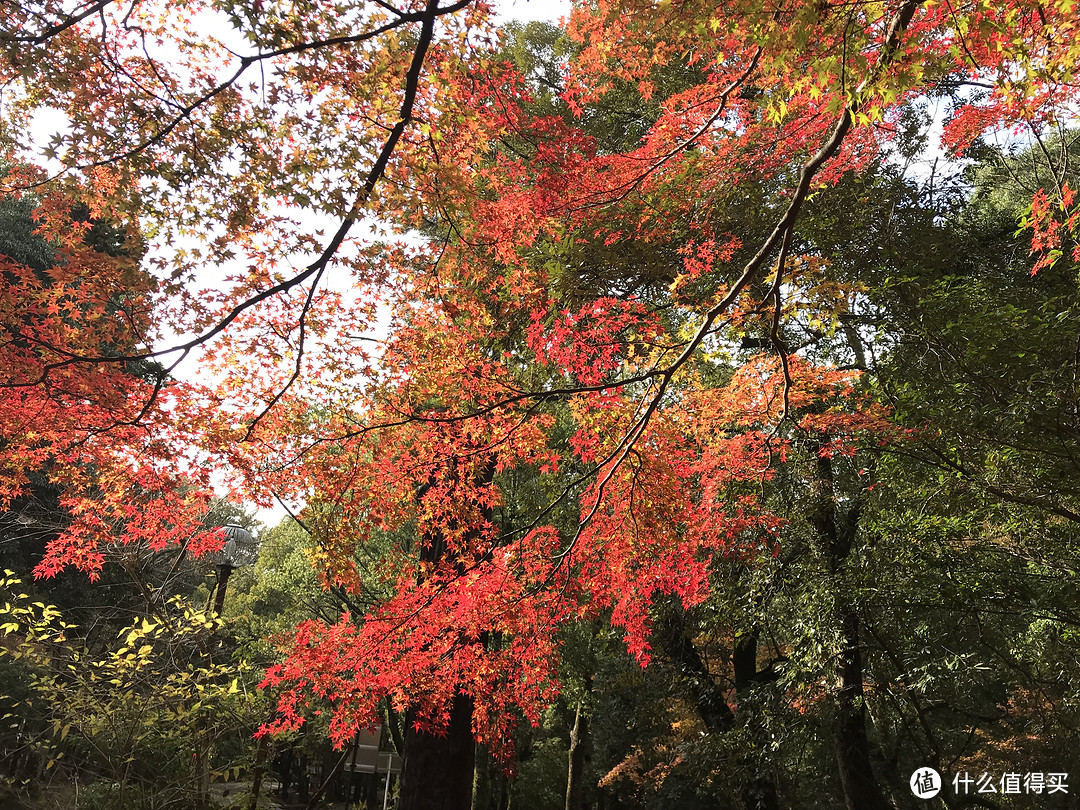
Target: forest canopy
[{"x": 685, "y": 393}]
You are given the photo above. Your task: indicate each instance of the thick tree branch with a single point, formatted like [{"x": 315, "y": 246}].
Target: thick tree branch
[{"x": 313, "y": 270}]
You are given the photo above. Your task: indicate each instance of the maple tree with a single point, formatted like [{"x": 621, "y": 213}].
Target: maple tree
[
  {"x": 514, "y": 344},
  {"x": 958, "y": 554},
  {"x": 98, "y": 434}
]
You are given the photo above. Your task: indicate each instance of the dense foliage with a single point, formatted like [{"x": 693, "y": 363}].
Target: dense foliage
[{"x": 645, "y": 406}]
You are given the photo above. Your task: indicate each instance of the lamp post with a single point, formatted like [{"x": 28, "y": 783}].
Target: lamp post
[{"x": 235, "y": 536}]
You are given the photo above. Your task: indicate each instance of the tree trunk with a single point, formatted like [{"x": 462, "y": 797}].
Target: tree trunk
[
  {"x": 485, "y": 784},
  {"x": 759, "y": 793},
  {"x": 708, "y": 699},
  {"x": 257, "y": 773},
  {"x": 837, "y": 528},
  {"x": 861, "y": 790},
  {"x": 438, "y": 769},
  {"x": 328, "y": 778},
  {"x": 201, "y": 763},
  {"x": 578, "y": 755},
  {"x": 303, "y": 785},
  {"x": 223, "y": 574}
]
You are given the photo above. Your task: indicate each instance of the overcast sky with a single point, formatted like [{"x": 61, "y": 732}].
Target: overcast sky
[{"x": 527, "y": 10}]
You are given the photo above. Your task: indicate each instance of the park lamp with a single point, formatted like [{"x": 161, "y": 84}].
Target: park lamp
[{"x": 236, "y": 536}]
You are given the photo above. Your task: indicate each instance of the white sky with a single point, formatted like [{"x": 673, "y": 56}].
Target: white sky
[{"x": 529, "y": 10}]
